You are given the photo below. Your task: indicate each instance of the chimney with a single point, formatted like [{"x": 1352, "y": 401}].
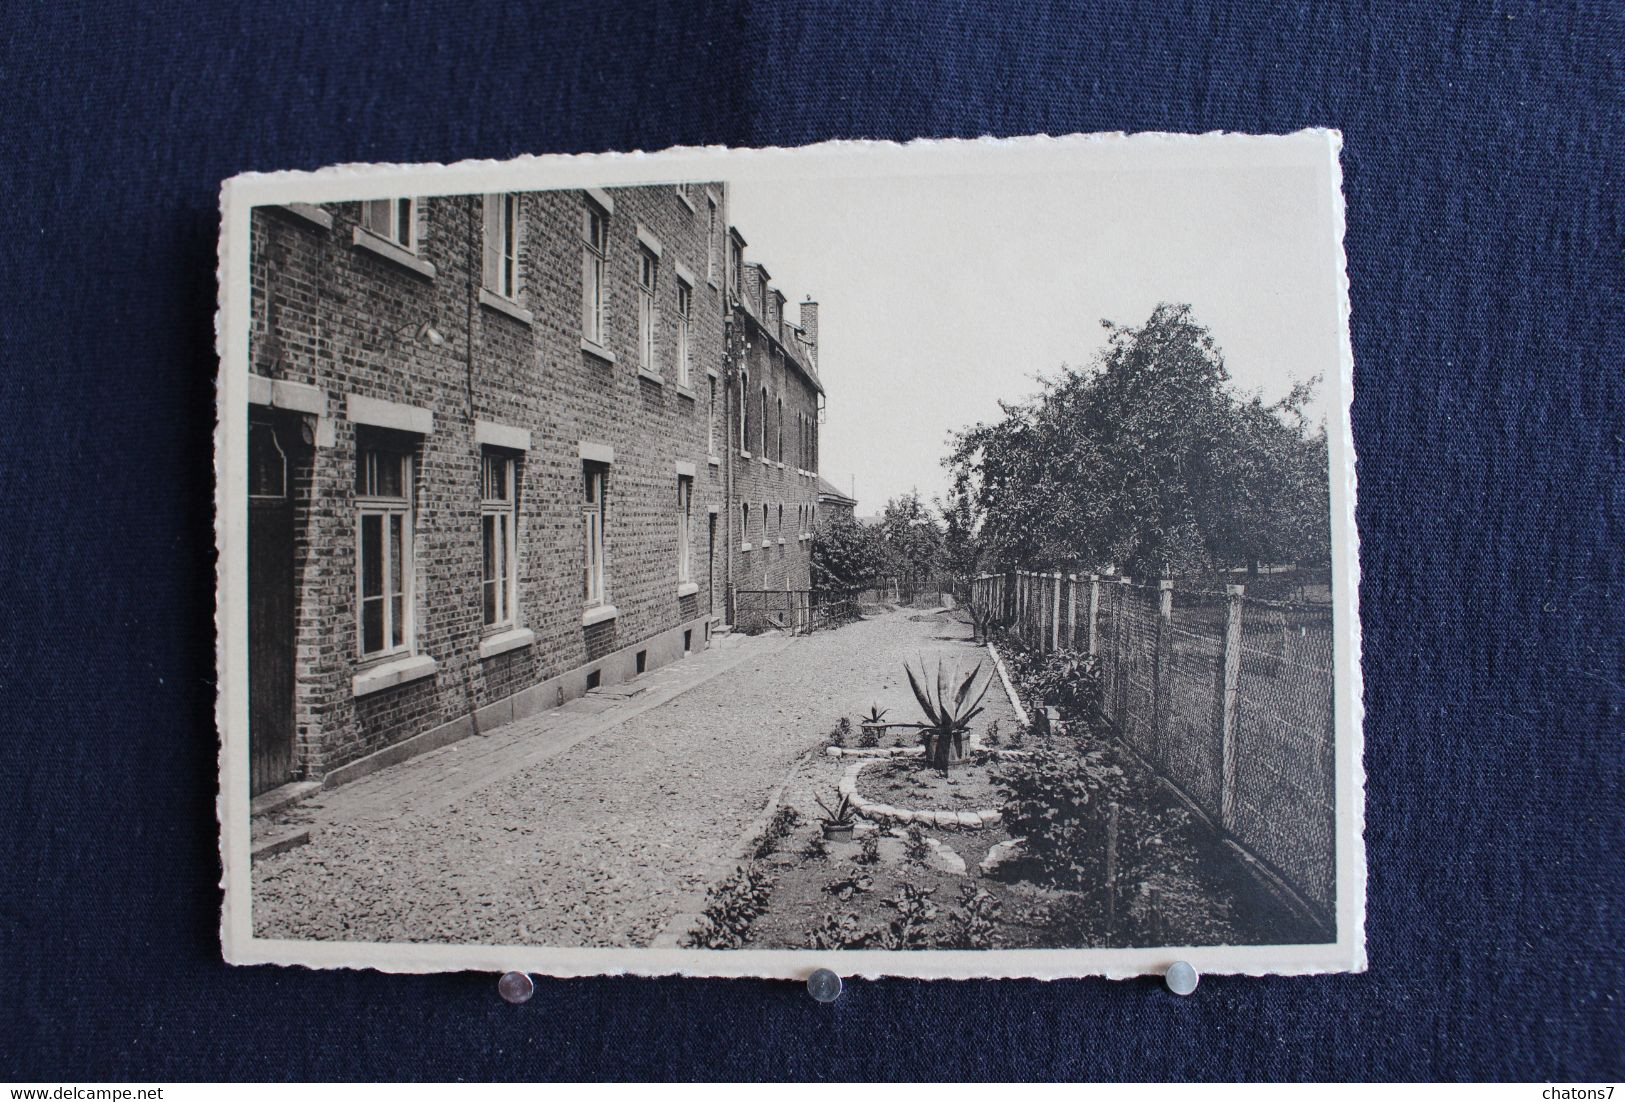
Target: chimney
[{"x": 809, "y": 322}]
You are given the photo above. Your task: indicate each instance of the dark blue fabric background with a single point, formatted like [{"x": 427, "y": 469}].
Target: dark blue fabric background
[{"x": 1483, "y": 173}]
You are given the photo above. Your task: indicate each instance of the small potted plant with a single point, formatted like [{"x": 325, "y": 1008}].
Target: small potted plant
[
  {"x": 836, "y": 821},
  {"x": 872, "y": 725}
]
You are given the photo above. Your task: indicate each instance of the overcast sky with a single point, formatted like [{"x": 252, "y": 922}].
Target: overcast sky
[{"x": 941, "y": 295}]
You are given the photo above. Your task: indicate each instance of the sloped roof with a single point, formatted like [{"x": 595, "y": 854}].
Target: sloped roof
[{"x": 827, "y": 489}]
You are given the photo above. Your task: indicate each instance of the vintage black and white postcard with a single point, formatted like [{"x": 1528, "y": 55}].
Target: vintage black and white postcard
[{"x": 927, "y": 560}]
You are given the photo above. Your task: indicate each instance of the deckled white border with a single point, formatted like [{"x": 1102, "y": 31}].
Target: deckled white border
[{"x": 1315, "y": 149}]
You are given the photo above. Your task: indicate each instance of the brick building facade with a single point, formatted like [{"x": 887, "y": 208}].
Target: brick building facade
[{"x": 495, "y": 461}]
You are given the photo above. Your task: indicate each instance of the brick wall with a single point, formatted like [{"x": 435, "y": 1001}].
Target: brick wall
[{"x": 341, "y": 318}]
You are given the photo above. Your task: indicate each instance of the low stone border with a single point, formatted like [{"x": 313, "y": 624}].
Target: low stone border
[
  {"x": 885, "y": 813},
  {"x": 873, "y": 751},
  {"x": 1022, "y": 716}
]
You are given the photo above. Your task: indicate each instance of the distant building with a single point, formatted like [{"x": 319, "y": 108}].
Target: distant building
[
  {"x": 503, "y": 449},
  {"x": 831, "y": 502}
]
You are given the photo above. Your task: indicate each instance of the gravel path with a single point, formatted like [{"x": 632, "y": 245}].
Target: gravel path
[{"x": 592, "y": 824}]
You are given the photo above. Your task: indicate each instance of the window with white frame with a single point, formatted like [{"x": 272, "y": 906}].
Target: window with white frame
[
  {"x": 383, "y": 495},
  {"x": 711, "y": 420},
  {"x": 395, "y": 220},
  {"x": 499, "y": 575},
  {"x": 502, "y": 227},
  {"x": 685, "y": 303},
  {"x": 685, "y": 498},
  {"x": 778, "y": 429},
  {"x": 711, "y": 239},
  {"x": 648, "y": 283},
  {"x": 737, "y": 256},
  {"x": 744, "y": 411},
  {"x": 594, "y": 251},
  {"x": 764, "y": 422},
  {"x": 595, "y": 480}
]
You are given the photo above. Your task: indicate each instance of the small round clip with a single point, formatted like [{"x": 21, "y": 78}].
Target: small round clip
[
  {"x": 824, "y": 986},
  {"x": 516, "y": 987},
  {"x": 1181, "y": 977}
]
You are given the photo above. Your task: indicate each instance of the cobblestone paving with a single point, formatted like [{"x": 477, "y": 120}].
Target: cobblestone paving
[{"x": 595, "y": 823}]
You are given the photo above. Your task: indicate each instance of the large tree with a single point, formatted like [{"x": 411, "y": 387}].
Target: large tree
[
  {"x": 846, "y": 554},
  {"x": 913, "y": 539},
  {"x": 1150, "y": 457}
]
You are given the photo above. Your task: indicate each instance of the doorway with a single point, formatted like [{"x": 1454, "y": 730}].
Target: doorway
[{"x": 270, "y": 604}]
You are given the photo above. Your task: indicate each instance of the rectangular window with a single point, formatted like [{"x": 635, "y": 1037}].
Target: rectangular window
[
  {"x": 648, "y": 277},
  {"x": 685, "y": 496},
  {"x": 744, "y": 522},
  {"x": 499, "y": 576},
  {"x": 685, "y": 300},
  {"x": 711, "y": 420},
  {"x": 711, "y": 240},
  {"x": 594, "y": 250},
  {"x": 395, "y": 220},
  {"x": 502, "y": 245},
  {"x": 383, "y": 544},
  {"x": 737, "y": 255},
  {"x": 592, "y": 530}
]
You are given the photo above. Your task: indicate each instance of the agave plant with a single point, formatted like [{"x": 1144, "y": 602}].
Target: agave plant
[
  {"x": 876, "y": 716},
  {"x": 837, "y": 818},
  {"x": 948, "y": 713}
]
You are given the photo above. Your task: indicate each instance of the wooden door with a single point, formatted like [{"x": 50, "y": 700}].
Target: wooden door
[{"x": 270, "y": 609}]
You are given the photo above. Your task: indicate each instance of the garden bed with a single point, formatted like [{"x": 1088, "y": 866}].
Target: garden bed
[{"x": 913, "y": 784}]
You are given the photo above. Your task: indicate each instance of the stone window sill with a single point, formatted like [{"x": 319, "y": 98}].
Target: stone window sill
[
  {"x": 598, "y": 615},
  {"x": 506, "y": 306},
  {"x": 651, "y": 376},
  {"x": 686, "y": 201},
  {"x": 311, "y": 213},
  {"x": 687, "y": 392},
  {"x": 688, "y": 589},
  {"x": 376, "y": 245},
  {"x": 411, "y": 667},
  {"x": 713, "y": 460},
  {"x": 597, "y": 351},
  {"x": 744, "y": 547},
  {"x": 744, "y": 453},
  {"x": 503, "y": 642}
]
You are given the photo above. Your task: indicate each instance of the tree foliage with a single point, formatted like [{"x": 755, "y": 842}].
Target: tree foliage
[
  {"x": 912, "y": 539},
  {"x": 846, "y": 554},
  {"x": 1149, "y": 457}
]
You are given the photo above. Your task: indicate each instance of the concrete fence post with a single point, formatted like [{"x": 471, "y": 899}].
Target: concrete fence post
[
  {"x": 1094, "y": 615},
  {"x": 1055, "y": 616},
  {"x": 1162, "y": 667},
  {"x": 1230, "y": 718},
  {"x": 1072, "y": 612}
]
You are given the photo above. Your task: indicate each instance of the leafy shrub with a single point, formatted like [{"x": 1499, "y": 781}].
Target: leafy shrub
[
  {"x": 916, "y": 848},
  {"x": 1066, "y": 679},
  {"x": 784, "y": 820},
  {"x": 1058, "y": 803},
  {"x": 817, "y": 846},
  {"x": 841, "y": 732},
  {"x": 869, "y": 849},
  {"x": 837, "y": 932},
  {"x": 974, "y": 924},
  {"x": 868, "y": 737},
  {"x": 993, "y": 738},
  {"x": 915, "y": 911},
  {"x": 845, "y": 887},
  {"x": 733, "y": 905}
]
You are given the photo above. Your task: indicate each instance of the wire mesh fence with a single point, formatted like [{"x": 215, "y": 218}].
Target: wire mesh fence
[{"x": 1227, "y": 697}]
